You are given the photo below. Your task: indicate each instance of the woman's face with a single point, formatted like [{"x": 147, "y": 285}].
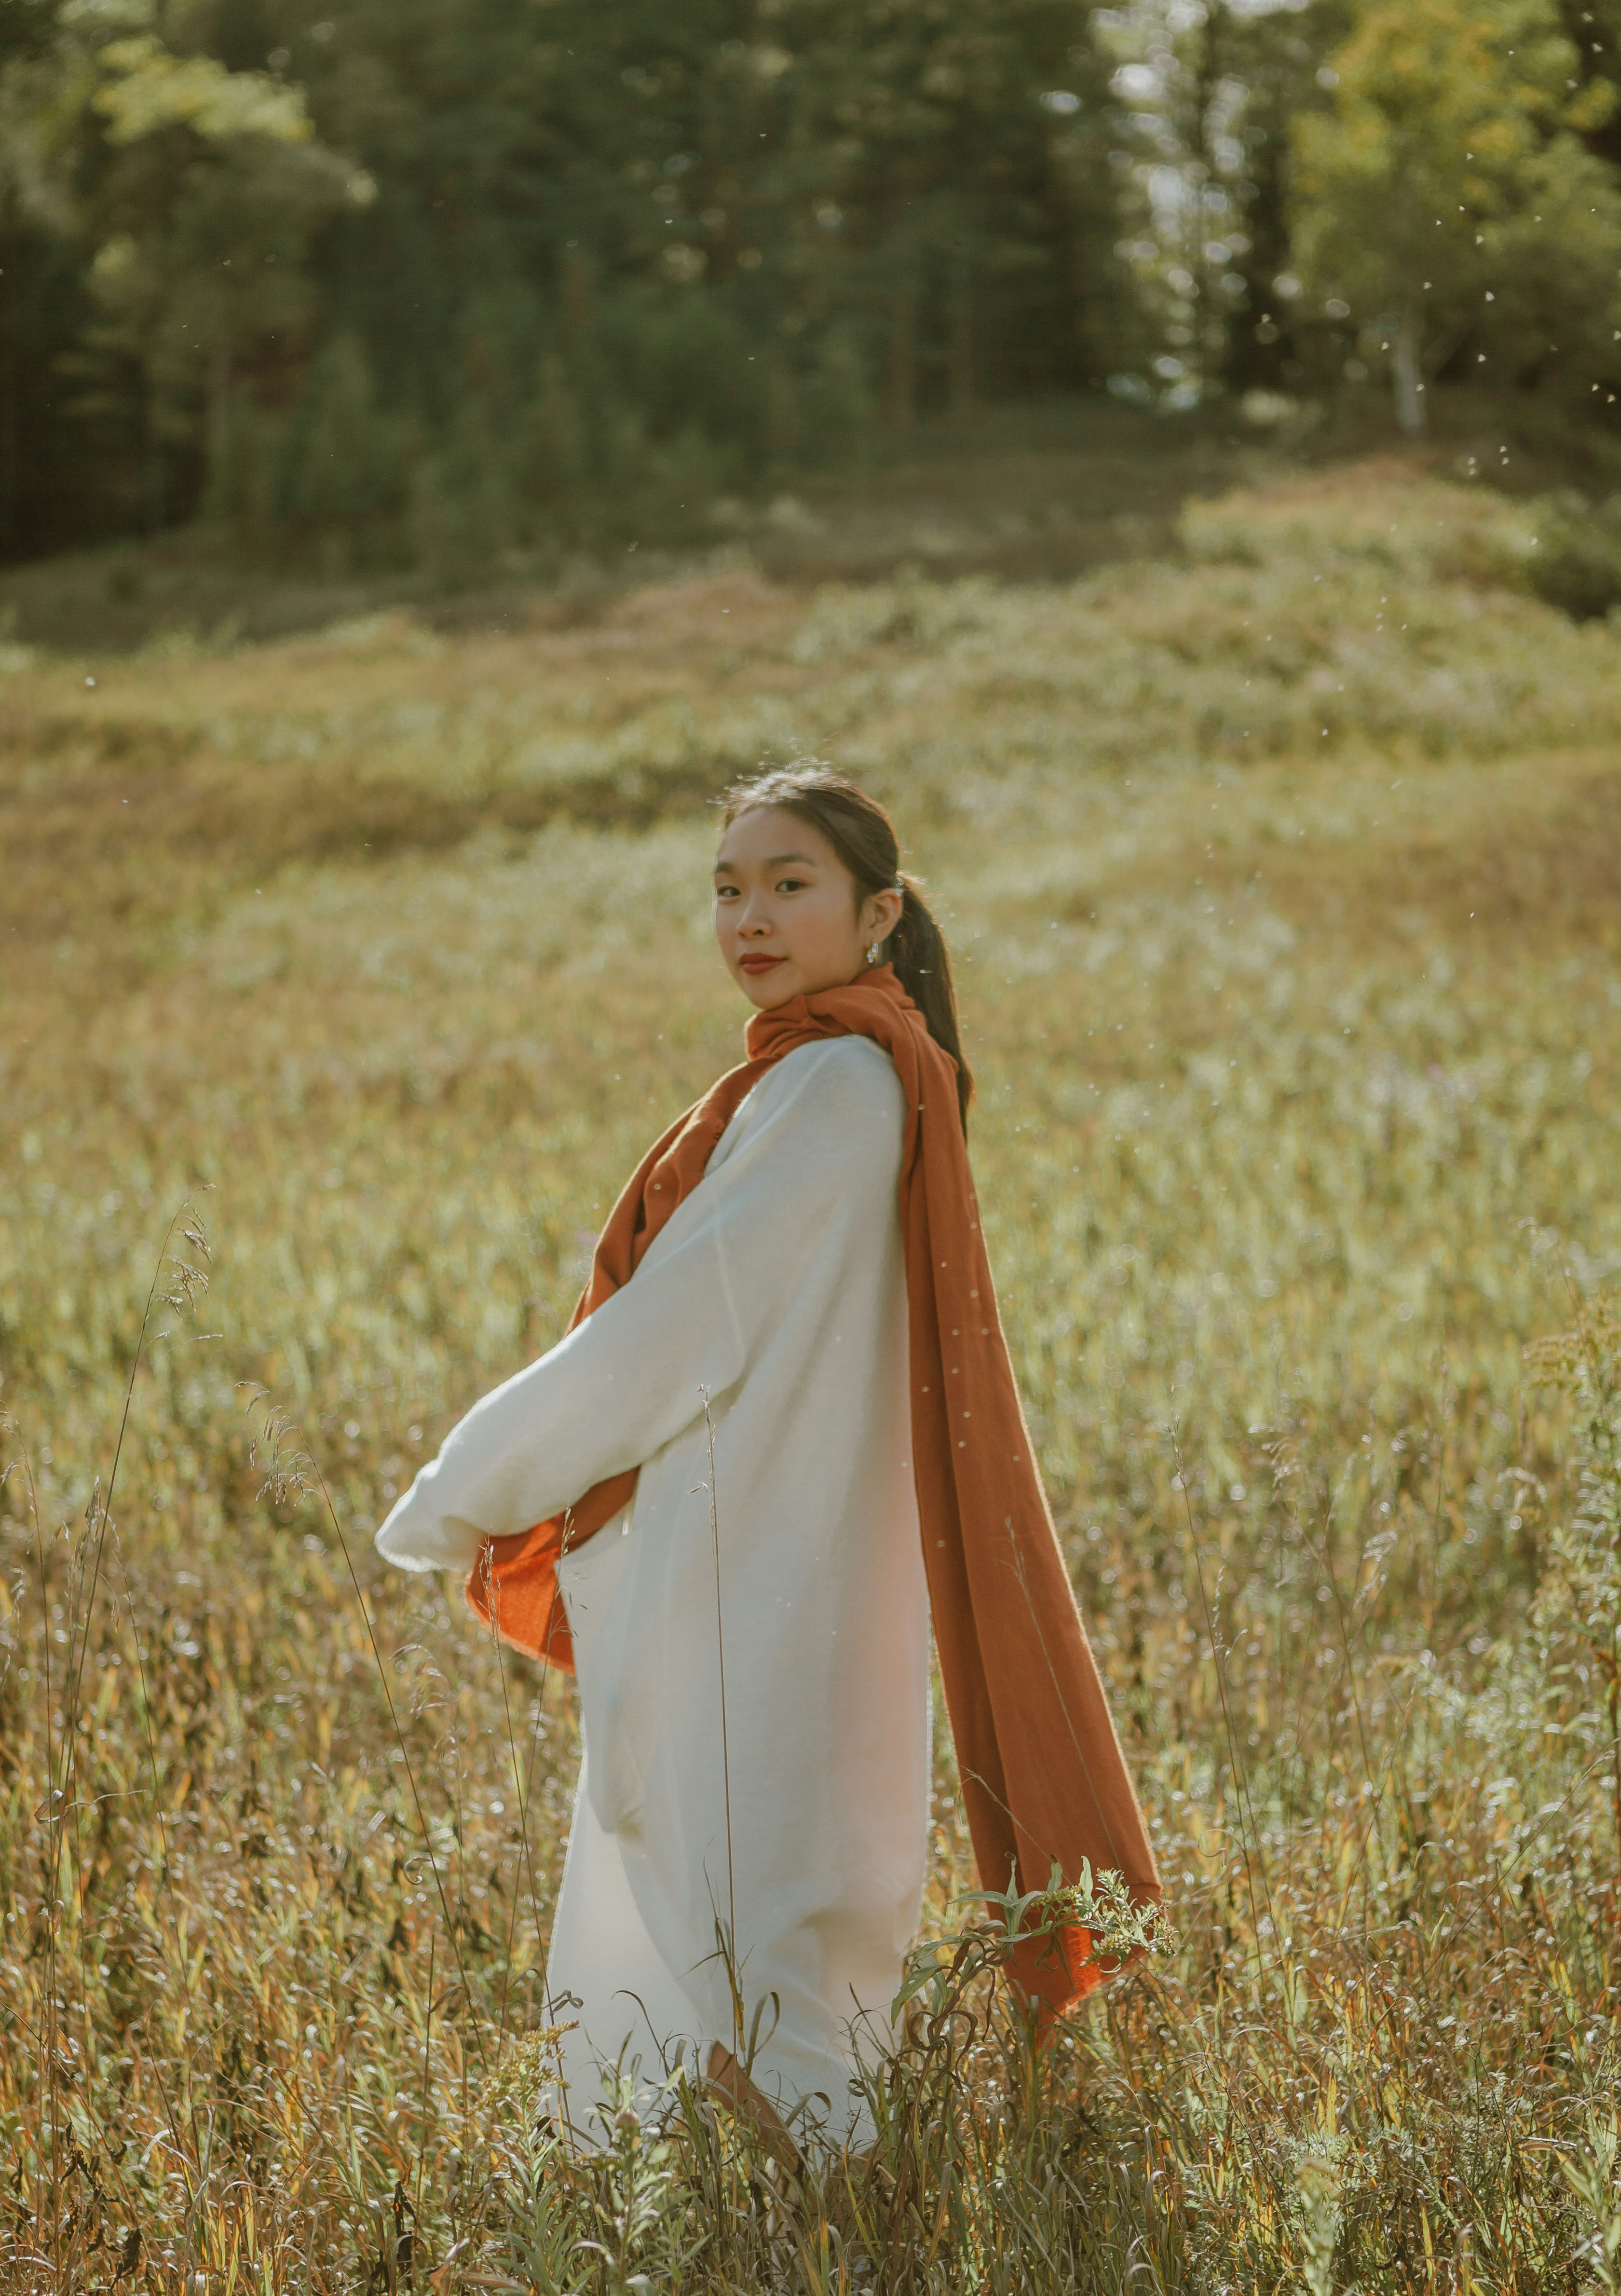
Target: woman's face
[{"x": 786, "y": 914}]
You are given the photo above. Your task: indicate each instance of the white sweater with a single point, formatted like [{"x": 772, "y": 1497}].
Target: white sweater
[{"x": 777, "y": 1290}]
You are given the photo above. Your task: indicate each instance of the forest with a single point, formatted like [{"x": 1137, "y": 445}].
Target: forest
[{"x": 456, "y": 284}]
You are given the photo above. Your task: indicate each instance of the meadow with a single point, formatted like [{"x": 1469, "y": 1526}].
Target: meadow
[{"x": 346, "y": 974}]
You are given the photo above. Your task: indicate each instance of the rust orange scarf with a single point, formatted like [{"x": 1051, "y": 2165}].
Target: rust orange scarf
[{"x": 1041, "y": 1771}]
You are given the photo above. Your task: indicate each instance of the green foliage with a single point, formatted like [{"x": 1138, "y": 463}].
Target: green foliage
[
  {"x": 146, "y": 89},
  {"x": 194, "y": 192},
  {"x": 1207, "y": 200},
  {"x": 1575, "y": 562},
  {"x": 340, "y": 476},
  {"x": 587, "y": 271},
  {"x": 728, "y": 244},
  {"x": 1447, "y": 197}
]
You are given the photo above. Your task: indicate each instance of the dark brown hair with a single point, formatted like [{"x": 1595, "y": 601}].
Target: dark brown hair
[{"x": 863, "y": 835}]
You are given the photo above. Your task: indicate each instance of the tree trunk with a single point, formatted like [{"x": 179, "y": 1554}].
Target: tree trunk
[
  {"x": 1409, "y": 373},
  {"x": 962, "y": 340},
  {"x": 903, "y": 354},
  {"x": 782, "y": 422},
  {"x": 153, "y": 487},
  {"x": 576, "y": 276},
  {"x": 216, "y": 437}
]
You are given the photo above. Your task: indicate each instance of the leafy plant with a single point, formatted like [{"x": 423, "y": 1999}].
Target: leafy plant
[{"x": 1575, "y": 563}]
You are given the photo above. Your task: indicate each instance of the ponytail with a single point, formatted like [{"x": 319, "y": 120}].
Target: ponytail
[
  {"x": 917, "y": 950},
  {"x": 860, "y": 833}
]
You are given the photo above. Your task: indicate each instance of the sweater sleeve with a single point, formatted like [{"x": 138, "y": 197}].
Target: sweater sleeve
[{"x": 816, "y": 1145}]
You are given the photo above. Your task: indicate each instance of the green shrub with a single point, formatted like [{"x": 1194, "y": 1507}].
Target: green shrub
[{"x": 1577, "y": 563}]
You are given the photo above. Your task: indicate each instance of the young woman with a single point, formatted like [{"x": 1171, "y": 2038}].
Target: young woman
[{"x": 780, "y": 1439}]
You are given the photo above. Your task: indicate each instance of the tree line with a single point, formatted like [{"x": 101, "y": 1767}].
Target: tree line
[{"x": 431, "y": 280}]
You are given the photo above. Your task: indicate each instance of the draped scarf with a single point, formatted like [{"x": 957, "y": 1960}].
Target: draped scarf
[{"x": 1043, "y": 1780}]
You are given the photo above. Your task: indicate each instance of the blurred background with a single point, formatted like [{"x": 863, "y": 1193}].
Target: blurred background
[{"x": 463, "y": 288}]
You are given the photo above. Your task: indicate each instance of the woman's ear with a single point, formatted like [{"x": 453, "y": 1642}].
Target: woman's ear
[{"x": 882, "y": 915}]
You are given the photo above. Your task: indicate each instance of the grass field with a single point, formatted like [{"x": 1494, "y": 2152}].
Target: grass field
[{"x": 1284, "y": 872}]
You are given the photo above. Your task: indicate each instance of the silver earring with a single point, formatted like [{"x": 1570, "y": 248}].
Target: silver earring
[{"x": 873, "y": 953}]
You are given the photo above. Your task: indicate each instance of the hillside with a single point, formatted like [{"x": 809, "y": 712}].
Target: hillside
[{"x": 1282, "y": 859}]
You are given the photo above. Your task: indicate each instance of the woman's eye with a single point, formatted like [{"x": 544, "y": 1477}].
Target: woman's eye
[{"x": 791, "y": 884}]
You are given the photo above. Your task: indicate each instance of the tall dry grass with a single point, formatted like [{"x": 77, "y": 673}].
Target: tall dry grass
[{"x": 1299, "y": 1056}]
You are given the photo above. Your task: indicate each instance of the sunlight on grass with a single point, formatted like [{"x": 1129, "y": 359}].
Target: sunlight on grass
[{"x": 1300, "y": 1087}]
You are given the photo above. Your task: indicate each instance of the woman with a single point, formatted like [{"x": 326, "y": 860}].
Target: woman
[{"x": 782, "y": 1430}]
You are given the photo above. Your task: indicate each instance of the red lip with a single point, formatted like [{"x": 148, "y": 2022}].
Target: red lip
[{"x": 760, "y": 963}]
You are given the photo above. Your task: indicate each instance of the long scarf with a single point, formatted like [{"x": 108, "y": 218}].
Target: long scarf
[{"x": 1043, "y": 1776}]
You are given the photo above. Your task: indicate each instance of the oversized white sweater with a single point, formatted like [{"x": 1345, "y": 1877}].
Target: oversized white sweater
[{"x": 778, "y": 1290}]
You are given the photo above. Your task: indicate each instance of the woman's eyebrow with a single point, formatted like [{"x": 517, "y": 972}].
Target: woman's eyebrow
[{"x": 773, "y": 861}]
